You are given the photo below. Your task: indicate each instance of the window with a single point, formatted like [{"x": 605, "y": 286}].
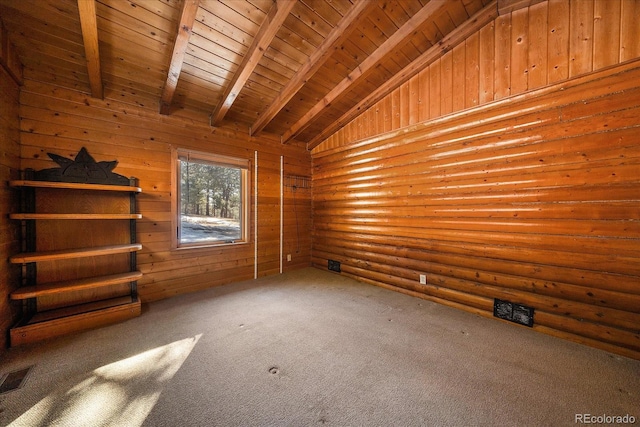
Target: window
[{"x": 211, "y": 205}]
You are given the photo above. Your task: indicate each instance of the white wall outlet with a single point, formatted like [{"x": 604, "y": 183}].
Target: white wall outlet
[
  {"x": 288, "y": 257},
  {"x": 423, "y": 279}
]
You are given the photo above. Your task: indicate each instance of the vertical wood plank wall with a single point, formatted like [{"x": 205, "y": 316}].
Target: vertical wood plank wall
[
  {"x": 62, "y": 121},
  {"x": 9, "y": 202},
  {"x": 505, "y": 180}
]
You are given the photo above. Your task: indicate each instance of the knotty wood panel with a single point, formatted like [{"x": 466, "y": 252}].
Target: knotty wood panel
[
  {"x": 558, "y": 41},
  {"x": 9, "y": 202},
  {"x": 538, "y": 45},
  {"x": 581, "y": 25},
  {"x": 606, "y": 37},
  {"x": 62, "y": 121},
  {"x": 629, "y": 41},
  {"x": 532, "y": 198}
]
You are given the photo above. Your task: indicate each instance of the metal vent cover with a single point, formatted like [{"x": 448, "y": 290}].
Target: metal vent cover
[
  {"x": 513, "y": 312},
  {"x": 14, "y": 380}
]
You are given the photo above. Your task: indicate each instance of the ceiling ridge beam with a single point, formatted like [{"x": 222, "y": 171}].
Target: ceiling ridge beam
[
  {"x": 401, "y": 36},
  {"x": 89, "y": 27},
  {"x": 473, "y": 24},
  {"x": 187, "y": 18},
  {"x": 268, "y": 30},
  {"x": 335, "y": 38}
]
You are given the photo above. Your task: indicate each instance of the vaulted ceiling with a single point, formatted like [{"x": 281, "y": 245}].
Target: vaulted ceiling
[{"x": 297, "y": 69}]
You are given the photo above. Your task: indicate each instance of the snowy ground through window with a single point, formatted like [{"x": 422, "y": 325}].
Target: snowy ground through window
[{"x": 196, "y": 228}]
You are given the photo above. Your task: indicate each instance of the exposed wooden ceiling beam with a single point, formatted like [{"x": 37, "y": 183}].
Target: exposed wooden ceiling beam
[
  {"x": 367, "y": 66},
  {"x": 270, "y": 26},
  {"x": 332, "y": 42},
  {"x": 473, "y": 24},
  {"x": 187, "y": 18},
  {"x": 89, "y": 26}
]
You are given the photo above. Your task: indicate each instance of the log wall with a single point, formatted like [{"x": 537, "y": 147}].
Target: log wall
[
  {"x": 532, "y": 195},
  {"x": 62, "y": 121}
]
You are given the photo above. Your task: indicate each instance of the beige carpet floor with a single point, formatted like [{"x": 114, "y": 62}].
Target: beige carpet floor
[{"x": 309, "y": 348}]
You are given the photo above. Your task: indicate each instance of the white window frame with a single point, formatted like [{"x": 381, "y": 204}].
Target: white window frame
[{"x": 214, "y": 159}]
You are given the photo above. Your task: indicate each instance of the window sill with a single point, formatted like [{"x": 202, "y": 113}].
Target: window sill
[{"x": 211, "y": 245}]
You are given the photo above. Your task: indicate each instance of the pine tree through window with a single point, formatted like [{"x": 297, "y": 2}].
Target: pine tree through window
[{"x": 212, "y": 199}]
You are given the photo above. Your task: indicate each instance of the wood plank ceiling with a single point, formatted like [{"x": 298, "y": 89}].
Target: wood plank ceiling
[{"x": 297, "y": 69}]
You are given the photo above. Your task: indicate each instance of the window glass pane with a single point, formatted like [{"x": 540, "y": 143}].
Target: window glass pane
[{"x": 210, "y": 202}]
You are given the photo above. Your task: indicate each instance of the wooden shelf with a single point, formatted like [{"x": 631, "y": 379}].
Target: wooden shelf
[
  {"x": 75, "y": 310},
  {"x": 64, "y": 218},
  {"x": 74, "y": 186},
  {"x": 98, "y": 289},
  {"x": 26, "y": 292},
  {"x": 54, "y": 323},
  {"x": 51, "y": 216},
  {"x": 27, "y": 257}
]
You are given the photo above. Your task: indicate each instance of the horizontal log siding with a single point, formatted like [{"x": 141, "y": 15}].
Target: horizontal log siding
[
  {"x": 533, "y": 198},
  {"x": 519, "y": 51},
  {"x": 62, "y": 121},
  {"x": 9, "y": 201}
]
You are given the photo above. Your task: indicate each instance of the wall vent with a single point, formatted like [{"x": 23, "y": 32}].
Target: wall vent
[
  {"x": 334, "y": 266},
  {"x": 516, "y": 313},
  {"x": 14, "y": 380}
]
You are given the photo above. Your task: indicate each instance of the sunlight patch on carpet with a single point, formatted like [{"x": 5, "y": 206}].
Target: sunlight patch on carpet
[{"x": 121, "y": 393}]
